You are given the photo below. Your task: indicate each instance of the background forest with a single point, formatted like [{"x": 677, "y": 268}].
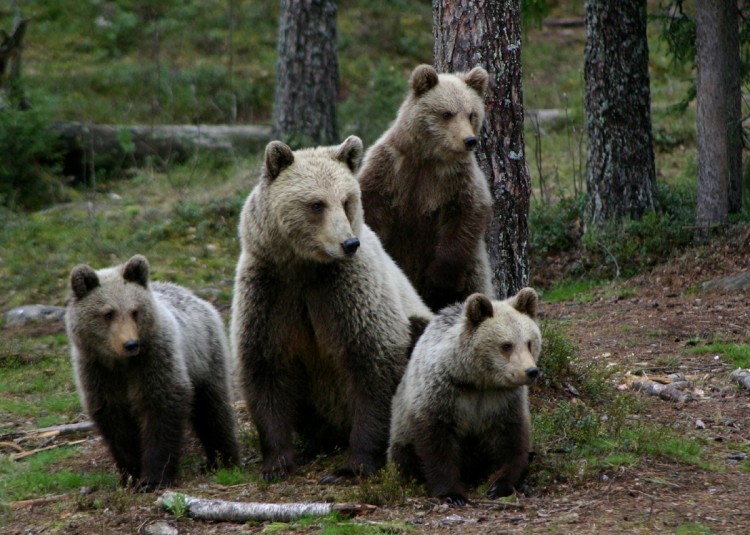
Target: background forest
[{"x": 212, "y": 62}]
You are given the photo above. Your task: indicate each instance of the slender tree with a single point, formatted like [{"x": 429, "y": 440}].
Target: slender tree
[
  {"x": 620, "y": 175},
  {"x": 719, "y": 112},
  {"x": 306, "y": 73},
  {"x": 470, "y": 33}
]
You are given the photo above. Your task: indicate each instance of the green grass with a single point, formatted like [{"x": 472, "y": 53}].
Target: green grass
[
  {"x": 736, "y": 354},
  {"x": 37, "y": 475},
  {"x": 579, "y": 291},
  {"x": 230, "y": 476}
]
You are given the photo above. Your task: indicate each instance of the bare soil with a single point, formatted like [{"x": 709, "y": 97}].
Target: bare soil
[{"x": 645, "y": 323}]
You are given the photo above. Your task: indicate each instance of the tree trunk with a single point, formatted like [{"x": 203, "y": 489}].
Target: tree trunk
[
  {"x": 719, "y": 97},
  {"x": 620, "y": 174},
  {"x": 470, "y": 33},
  {"x": 306, "y": 74}
]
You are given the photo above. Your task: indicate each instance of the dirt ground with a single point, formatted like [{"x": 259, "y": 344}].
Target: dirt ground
[{"x": 664, "y": 311}]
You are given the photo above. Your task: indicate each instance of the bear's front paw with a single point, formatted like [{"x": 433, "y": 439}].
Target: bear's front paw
[
  {"x": 499, "y": 488},
  {"x": 277, "y": 469},
  {"x": 342, "y": 476},
  {"x": 454, "y": 499}
]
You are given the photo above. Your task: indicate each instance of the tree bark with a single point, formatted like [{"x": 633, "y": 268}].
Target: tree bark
[
  {"x": 719, "y": 98},
  {"x": 470, "y": 33},
  {"x": 307, "y": 75},
  {"x": 620, "y": 175}
]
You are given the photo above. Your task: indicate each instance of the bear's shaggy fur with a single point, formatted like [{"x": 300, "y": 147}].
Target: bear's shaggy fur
[
  {"x": 148, "y": 357},
  {"x": 423, "y": 192},
  {"x": 322, "y": 319},
  {"x": 461, "y": 412}
]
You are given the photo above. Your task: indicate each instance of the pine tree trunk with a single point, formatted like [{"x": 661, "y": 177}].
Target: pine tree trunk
[
  {"x": 470, "y": 33},
  {"x": 306, "y": 74},
  {"x": 620, "y": 174},
  {"x": 719, "y": 97}
]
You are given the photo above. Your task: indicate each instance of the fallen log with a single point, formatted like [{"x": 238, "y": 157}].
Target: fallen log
[
  {"x": 48, "y": 432},
  {"x": 89, "y": 148},
  {"x": 667, "y": 388},
  {"x": 742, "y": 378},
  {"x": 225, "y": 511},
  {"x": 37, "y": 501}
]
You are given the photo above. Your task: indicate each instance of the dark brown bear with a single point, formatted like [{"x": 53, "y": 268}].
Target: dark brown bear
[{"x": 423, "y": 192}]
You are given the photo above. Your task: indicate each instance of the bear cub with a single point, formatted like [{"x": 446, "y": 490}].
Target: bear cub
[
  {"x": 423, "y": 192},
  {"x": 323, "y": 320},
  {"x": 461, "y": 412},
  {"x": 148, "y": 357}
]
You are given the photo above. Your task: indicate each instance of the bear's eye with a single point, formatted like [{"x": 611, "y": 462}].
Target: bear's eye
[
  {"x": 447, "y": 115},
  {"x": 529, "y": 345},
  {"x": 109, "y": 315},
  {"x": 317, "y": 207},
  {"x": 472, "y": 116},
  {"x": 135, "y": 315},
  {"x": 507, "y": 347}
]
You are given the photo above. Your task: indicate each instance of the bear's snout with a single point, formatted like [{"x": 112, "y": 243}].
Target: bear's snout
[
  {"x": 532, "y": 373},
  {"x": 131, "y": 347},
  {"x": 350, "y": 246},
  {"x": 470, "y": 143}
]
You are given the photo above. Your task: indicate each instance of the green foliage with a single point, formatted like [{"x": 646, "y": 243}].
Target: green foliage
[
  {"x": 555, "y": 227},
  {"x": 738, "y": 355},
  {"x": 177, "y": 504},
  {"x": 29, "y": 160},
  {"x": 533, "y": 12},
  {"x": 230, "y": 476},
  {"x": 385, "y": 488}
]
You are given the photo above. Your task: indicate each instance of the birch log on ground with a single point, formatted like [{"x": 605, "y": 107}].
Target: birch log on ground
[
  {"x": 742, "y": 378},
  {"x": 89, "y": 149},
  {"x": 225, "y": 511}
]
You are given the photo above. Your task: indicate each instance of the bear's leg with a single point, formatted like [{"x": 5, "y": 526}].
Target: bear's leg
[
  {"x": 122, "y": 435},
  {"x": 407, "y": 462},
  {"x": 510, "y": 459},
  {"x": 440, "y": 453},
  {"x": 272, "y": 393},
  {"x": 164, "y": 416},
  {"x": 213, "y": 421}
]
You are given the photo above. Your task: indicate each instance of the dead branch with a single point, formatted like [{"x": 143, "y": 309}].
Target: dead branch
[
  {"x": 37, "y": 501},
  {"x": 742, "y": 378},
  {"x": 225, "y": 511},
  {"x": 23, "y": 455},
  {"x": 672, "y": 391},
  {"x": 49, "y": 432}
]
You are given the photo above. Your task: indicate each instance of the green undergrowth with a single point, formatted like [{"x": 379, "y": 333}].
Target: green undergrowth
[
  {"x": 584, "y": 427},
  {"x": 736, "y": 354}
]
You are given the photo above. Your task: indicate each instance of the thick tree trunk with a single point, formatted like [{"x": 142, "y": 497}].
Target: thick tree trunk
[
  {"x": 92, "y": 148},
  {"x": 620, "y": 175},
  {"x": 719, "y": 97},
  {"x": 306, "y": 74},
  {"x": 470, "y": 33}
]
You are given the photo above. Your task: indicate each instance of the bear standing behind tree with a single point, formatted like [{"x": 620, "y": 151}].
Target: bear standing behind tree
[
  {"x": 423, "y": 192},
  {"x": 322, "y": 319},
  {"x": 461, "y": 412},
  {"x": 148, "y": 357}
]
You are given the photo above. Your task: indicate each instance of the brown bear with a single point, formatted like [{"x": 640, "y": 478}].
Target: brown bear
[
  {"x": 461, "y": 412},
  {"x": 423, "y": 192},
  {"x": 149, "y": 357},
  {"x": 322, "y": 318}
]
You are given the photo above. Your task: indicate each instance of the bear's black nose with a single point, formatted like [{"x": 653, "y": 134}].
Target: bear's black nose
[
  {"x": 532, "y": 373},
  {"x": 470, "y": 143},
  {"x": 131, "y": 346},
  {"x": 350, "y": 246}
]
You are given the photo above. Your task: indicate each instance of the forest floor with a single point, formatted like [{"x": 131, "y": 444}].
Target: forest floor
[{"x": 649, "y": 324}]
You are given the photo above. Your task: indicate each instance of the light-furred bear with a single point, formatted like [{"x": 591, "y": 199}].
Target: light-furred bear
[
  {"x": 461, "y": 412},
  {"x": 423, "y": 192},
  {"x": 150, "y": 357},
  {"x": 323, "y": 320}
]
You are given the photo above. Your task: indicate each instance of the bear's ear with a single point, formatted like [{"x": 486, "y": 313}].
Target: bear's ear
[
  {"x": 350, "y": 152},
  {"x": 136, "y": 270},
  {"x": 525, "y": 302},
  {"x": 478, "y": 308},
  {"x": 477, "y": 79},
  {"x": 83, "y": 279},
  {"x": 423, "y": 78},
  {"x": 279, "y": 156}
]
